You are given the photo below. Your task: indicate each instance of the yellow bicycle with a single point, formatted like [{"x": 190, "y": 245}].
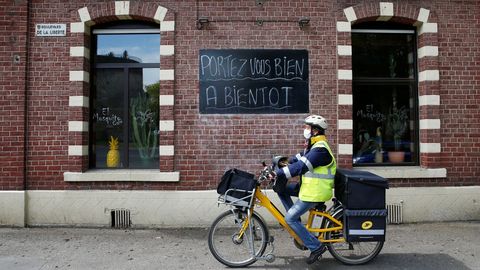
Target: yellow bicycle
[{"x": 239, "y": 236}]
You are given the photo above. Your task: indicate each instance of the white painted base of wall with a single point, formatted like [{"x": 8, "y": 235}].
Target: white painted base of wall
[{"x": 199, "y": 208}]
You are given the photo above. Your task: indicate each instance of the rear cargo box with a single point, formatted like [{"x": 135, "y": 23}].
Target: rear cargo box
[
  {"x": 365, "y": 225},
  {"x": 360, "y": 189}
]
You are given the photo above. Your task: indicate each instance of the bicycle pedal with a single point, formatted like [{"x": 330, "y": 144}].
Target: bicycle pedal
[{"x": 271, "y": 240}]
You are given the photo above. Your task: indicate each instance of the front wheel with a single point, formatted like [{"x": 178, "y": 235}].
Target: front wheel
[
  {"x": 351, "y": 253},
  {"x": 232, "y": 248}
]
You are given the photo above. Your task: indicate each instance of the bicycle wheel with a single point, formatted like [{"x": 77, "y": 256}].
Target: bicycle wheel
[
  {"x": 350, "y": 253},
  {"x": 230, "y": 249}
]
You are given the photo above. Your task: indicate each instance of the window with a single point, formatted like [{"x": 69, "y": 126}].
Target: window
[
  {"x": 385, "y": 110},
  {"x": 124, "y": 99}
]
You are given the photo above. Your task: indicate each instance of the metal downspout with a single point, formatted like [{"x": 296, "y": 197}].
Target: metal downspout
[{"x": 25, "y": 120}]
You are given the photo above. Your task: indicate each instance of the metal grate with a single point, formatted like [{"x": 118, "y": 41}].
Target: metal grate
[
  {"x": 395, "y": 213},
  {"x": 121, "y": 218}
]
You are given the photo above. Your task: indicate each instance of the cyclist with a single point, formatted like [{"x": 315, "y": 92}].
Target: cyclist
[{"x": 317, "y": 166}]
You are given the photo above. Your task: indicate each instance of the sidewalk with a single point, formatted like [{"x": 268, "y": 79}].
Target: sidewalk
[{"x": 453, "y": 245}]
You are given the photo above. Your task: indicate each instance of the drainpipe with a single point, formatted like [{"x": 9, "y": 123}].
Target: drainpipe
[{"x": 25, "y": 120}]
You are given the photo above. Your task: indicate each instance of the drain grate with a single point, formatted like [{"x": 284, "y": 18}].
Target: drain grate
[
  {"x": 395, "y": 213},
  {"x": 121, "y": 218}
]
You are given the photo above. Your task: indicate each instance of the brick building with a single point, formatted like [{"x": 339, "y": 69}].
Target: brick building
[{"x": 141, "y": 105}]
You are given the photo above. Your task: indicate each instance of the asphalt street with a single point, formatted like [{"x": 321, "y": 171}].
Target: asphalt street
[{"x": 452, "y": 245}]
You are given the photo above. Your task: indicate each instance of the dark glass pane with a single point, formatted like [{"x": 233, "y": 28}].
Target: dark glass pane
[
  {"x": 108, "y": 118},
  {"x": 144, "y": 105},
  {"x": 383, "y": 122},
  {"x": 382, "y": 55},
  {"x": 128, "y": 48}
]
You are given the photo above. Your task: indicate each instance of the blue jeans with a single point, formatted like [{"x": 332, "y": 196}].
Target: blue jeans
[
  {"x": 294, "y": 211},
  {"x": 291, "y": 189},
  {"x": 292, "y": 218}
]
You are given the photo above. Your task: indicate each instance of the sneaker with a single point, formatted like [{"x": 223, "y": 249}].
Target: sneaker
[{"x": 316, "y": 254}]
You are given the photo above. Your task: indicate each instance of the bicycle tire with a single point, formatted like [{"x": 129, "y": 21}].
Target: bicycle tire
[
  {"x": 350, "y": 253},
  {"x": 226, "y": 247}
]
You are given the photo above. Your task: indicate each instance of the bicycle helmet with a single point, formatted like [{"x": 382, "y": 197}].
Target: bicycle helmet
[{"x": 316, "y": 121}]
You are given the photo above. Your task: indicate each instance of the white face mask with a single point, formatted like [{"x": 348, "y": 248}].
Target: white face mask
[{"x": 307, "y": 133}]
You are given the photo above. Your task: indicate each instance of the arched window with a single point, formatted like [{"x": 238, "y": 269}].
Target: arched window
[
  {"x": 385, "y": 94},
  {"x": 124, "y": 98}
]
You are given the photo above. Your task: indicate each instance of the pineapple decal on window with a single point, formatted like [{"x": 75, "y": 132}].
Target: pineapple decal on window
[{"x": 113, "y": 155}]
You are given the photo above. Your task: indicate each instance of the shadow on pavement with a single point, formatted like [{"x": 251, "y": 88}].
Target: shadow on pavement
[{"x": 383, "y": 261}]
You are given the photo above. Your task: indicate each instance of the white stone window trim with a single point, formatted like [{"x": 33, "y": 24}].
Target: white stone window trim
[
  {"x": 121, "y": 175},
  {"x": 405, "y": 171}
]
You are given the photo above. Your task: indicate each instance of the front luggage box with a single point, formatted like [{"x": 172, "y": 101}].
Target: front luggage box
[{"x": 365, "y": 225}]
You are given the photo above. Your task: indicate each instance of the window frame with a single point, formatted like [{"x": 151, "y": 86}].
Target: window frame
[
  {"x": 118, "y": 28},
  {"x": 391, "y": 28}
]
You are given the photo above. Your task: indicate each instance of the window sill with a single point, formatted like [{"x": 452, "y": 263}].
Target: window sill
[
  {"x": 406, "y": 172},
  {"x": 122, "y": 176}
]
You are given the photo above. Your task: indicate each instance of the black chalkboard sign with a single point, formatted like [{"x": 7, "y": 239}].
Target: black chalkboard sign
[{"x": 253, "y": 81}]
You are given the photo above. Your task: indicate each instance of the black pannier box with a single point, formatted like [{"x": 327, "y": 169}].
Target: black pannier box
[
  {"x": 360, "y": 189},
  {"x": 237, "y": 179},
  {"x": 365, "y": 225}
]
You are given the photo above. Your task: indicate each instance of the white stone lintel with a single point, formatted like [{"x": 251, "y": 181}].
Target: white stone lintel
[
  {"x": 344, "y": 50},
  {"x": 426, "y": 100},
  {"x": 350, "y": 14},
  {"x": 429, "y": 75},
  {"x": 120, "y": 175},
  {"x": 344, "y": 27},
  {"x": 430, "y": 148},
  {"x": 166, "y": 50},
  {"x": 345, "y": 74},
  {"x": 160, "y": 14},
  {"x": 167, "y": 74},
  {"x": 80, "y": 51},
  {"x": 426, "y": 51},
  {"x": 79, "y": 27},
  {"x": 345, "y": 124},
  {"x": 406, "y": 172},
  {"x": 167, "y": 26},
  {"x": 78, "y": 101},
  {"x": 167, "y": 125},
  {"x": 423, "y": 15},
  {"x": 78, "y": 150},
  {"x": 79, "y": 126},
  {"x": 427, "y": 28},
  {"x": 430, "y": 123},
  {"x": 166, "y": 100},
  {"x": 386, "y": 11},
  {"x": 166, "y": 150},
  {"x": 79, "y": 75},
  {"x": 345, "y": 149},
  {"x": 345, "y": 100}
]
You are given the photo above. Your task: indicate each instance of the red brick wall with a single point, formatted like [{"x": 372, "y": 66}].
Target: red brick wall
[
  {"x": 206, "y": 145},
  {"x": 13, "y": 16}
]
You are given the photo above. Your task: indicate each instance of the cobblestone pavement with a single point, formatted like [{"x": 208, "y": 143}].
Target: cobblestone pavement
[{"x": 452, "y": 245}]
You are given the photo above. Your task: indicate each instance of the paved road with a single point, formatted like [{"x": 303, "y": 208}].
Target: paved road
[{"x": 436, "y": 246}]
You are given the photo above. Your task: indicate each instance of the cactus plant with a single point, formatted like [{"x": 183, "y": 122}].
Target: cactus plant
[{"x": 144, "y": 124}]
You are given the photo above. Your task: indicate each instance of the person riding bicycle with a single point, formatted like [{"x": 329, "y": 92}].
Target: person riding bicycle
[{"x": 317, "y": 166}]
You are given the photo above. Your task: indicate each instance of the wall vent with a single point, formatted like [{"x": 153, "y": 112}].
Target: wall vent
[
  {"x": 395, "y": 213},
  {"x": 121, "y": 218}
]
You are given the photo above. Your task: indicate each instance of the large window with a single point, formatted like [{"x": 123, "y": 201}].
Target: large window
[
  {"x": 385, "y": 118},
  {"x": 124, "y": 99}
]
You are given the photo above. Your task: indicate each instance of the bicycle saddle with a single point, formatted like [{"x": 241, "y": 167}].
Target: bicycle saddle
[{"x": 320, "y": 206}]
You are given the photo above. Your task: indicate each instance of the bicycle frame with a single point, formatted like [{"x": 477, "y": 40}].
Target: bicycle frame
[{"x": 261, "y": 199}]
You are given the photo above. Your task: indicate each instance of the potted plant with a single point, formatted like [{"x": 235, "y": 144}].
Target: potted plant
[
  {"x": 145, "y": 130},
  {"x": 397, "y": 121}
]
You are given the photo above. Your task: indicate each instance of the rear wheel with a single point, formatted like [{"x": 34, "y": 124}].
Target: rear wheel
[
  {"x": 232, "y": 249},
  {"x": 351, "y": 253}
]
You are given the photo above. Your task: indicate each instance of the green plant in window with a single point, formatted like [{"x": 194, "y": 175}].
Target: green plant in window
[
  {"x": 397, "y": 121},
  {"x": 144, "y": 124}
]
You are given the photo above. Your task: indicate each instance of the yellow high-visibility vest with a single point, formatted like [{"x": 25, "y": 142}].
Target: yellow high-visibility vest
[{"x": 317, "y": 185}]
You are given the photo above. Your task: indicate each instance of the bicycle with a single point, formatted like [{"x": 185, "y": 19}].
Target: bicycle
[{"x": 239, "y": 237}]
